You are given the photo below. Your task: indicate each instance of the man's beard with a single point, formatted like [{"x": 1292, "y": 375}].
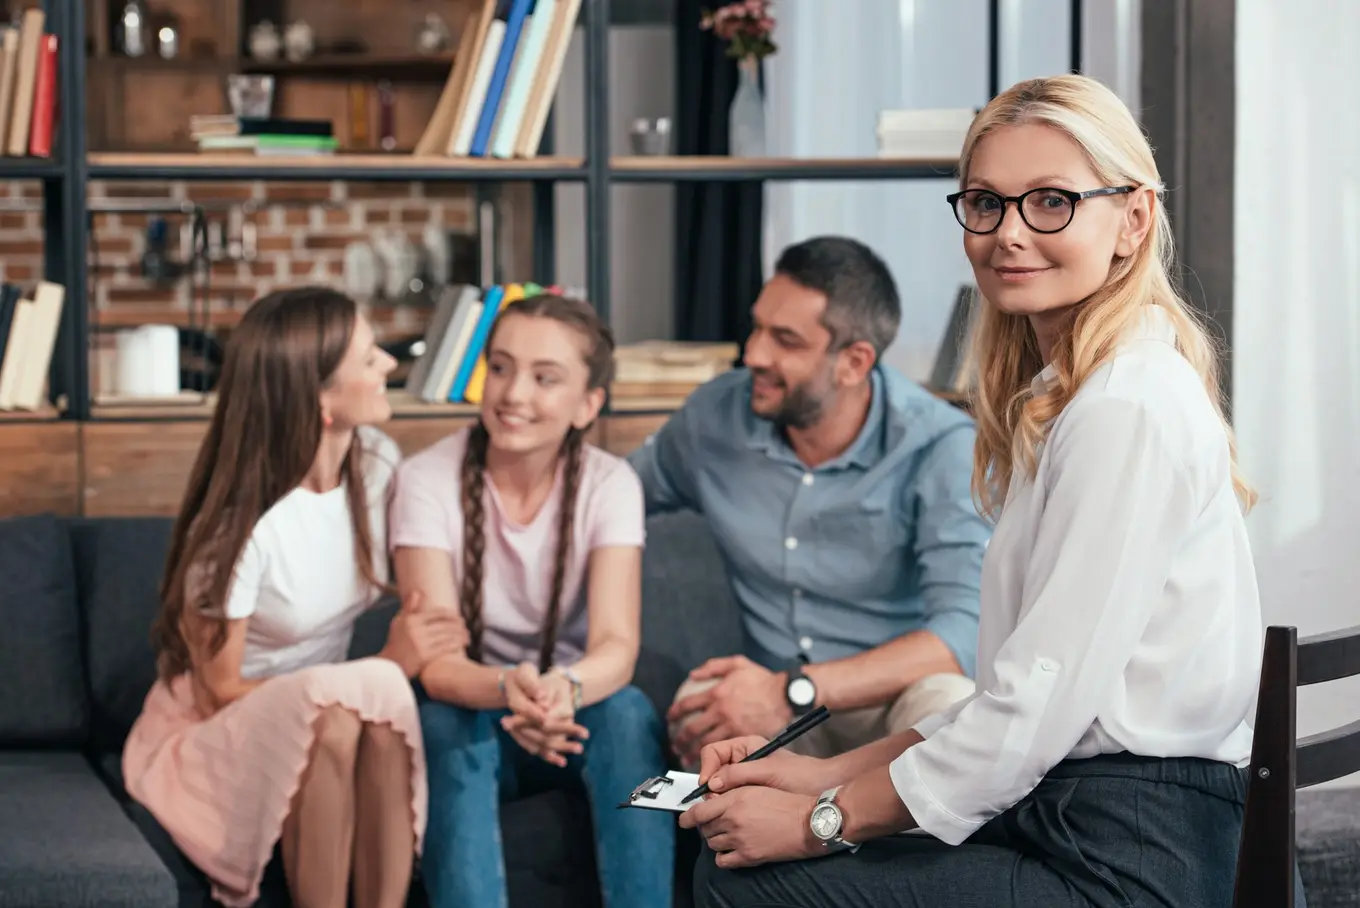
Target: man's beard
[{"x": 802, "y": 406}]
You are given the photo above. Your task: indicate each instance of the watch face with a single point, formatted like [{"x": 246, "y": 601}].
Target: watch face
[
  {"x": 802, "y": 691},
  {"x": 826, "y": 821}
]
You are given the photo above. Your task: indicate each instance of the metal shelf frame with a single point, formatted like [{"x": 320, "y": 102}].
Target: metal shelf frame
[{"x": 66, "y": 213}]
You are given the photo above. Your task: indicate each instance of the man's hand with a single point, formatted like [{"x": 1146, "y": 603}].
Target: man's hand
[
  {"x": 720, "y": 766},
  {"x": 753, "y": 826},
  {"x": 418, "y": 634},
  {"x": 747, "y": 700}
]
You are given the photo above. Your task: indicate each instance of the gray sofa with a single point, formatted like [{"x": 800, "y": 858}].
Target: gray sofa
[
  {"x": 77, "y": 598},
  {"x": 76, "y": 602}
]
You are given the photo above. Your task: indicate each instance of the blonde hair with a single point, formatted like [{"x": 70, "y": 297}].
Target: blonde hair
[{"x": 1011, "y": 422}]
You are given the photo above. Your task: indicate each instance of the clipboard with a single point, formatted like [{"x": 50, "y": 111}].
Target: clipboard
[{"x": 664, "y": 792}]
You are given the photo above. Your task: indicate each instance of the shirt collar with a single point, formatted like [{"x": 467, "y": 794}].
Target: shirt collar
[
  {"x": 863, "y": 452},
  {"x": 1153, "y": 324}
]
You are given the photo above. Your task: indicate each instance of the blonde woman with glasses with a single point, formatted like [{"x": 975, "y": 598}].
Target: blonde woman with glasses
[{"x": 1100, "y": 761}]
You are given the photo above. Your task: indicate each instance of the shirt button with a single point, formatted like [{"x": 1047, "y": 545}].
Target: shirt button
[
  {"x": 805, "y": 643},
  {"x": 807, "y": 479},
  {"x": 1048, "y": 665},
  {"x": 790, "y": 543},
  {"x": 797, "y": 593}
]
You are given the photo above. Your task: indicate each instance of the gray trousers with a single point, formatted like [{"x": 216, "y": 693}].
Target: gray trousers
[{"x": 1108, "y": 832}]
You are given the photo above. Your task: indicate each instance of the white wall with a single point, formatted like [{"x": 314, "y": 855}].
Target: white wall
[{"x": 1296, "y": 326}]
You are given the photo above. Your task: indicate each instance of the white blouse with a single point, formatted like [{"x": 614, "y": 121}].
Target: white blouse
[{"x": 1119, "y": 600}]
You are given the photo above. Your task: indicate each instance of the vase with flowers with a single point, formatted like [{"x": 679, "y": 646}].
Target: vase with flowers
[{"x": 748, "y": 27}]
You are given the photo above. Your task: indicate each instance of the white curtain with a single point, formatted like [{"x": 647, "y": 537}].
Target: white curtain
[{"x": 840, "y": 63}]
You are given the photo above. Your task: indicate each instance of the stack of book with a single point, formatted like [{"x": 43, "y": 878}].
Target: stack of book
[
  {"x": 28, "y": 337},
  {"x": 503, "y": 81},
  {"x": 28, "y": 87},
  {"x": 934, "y": 134},
  {"x": 225, "y": 133},
  {"x": 663, "y": 373}
]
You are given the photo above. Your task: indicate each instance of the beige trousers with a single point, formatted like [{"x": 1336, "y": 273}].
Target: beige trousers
[{"x": 847, "y": 729}]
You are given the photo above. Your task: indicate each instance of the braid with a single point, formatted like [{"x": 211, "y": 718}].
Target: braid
[
  {"x": 474, "y": 540},
  {"x": 571, "y": 483}
]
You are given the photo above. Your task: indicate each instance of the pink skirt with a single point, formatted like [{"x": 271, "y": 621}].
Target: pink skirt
[{"x": 223, "y": 786}]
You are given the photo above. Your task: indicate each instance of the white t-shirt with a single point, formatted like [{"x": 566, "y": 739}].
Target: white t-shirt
[
  {"x": 1120, "y": 611},
  {"x": 297, "y": 578}
]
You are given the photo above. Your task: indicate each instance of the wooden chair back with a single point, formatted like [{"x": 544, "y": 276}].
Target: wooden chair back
[{"x": 1282, "y": 763}]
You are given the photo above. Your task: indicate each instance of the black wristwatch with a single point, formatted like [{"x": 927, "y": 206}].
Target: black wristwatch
[{"x": 800, "y": 691}]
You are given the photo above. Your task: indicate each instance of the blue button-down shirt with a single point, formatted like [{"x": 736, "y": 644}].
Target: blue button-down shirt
[{"x": 832, "y": 560}]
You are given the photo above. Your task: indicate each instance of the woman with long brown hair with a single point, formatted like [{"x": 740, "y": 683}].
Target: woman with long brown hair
[
  {"x": 535, "y": 537},
  {"x": 257, "y": 731}
]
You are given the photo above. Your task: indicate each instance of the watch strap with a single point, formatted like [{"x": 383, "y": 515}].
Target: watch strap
[{"x": 576, "y": 686}]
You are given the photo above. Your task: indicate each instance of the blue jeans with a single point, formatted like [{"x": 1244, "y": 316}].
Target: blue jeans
[{"x": 474, "y": 765}]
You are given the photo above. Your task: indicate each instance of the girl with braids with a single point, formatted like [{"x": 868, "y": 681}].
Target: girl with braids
[
  {"x": 535, "y": 537},
  {"x": 258, "y": 732},
  {"x": 1100, "y": 763}
]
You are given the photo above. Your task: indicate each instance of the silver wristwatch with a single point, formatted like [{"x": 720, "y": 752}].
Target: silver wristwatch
[{"x": 828, "y": 822}]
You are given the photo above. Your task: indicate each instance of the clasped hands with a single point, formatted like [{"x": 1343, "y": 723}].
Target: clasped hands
[
  {"x": 757, "y": 812},
  {"x": 542, "y": 716}
]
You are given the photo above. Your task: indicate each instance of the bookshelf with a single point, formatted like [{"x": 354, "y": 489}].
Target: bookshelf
[{"x": 66, "y": 210}]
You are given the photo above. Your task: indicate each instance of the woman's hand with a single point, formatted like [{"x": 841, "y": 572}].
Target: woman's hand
[
  {"x": 418, "y": 635},
  {"x": 557, "y": 695},
  {"x": 540, "y": 721},
  {"x": 721, "y": 767},
  {"x": 756, "y": 825}
]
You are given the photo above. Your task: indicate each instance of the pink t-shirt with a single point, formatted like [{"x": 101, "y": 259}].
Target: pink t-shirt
[{"x": 518, "y": 559}]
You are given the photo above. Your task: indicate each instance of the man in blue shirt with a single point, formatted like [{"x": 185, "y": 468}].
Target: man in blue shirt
[{"x": 839, "y": 494}]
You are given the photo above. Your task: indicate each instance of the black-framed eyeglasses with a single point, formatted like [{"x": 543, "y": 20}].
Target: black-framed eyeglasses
[{"x": 1044, "y": 209}]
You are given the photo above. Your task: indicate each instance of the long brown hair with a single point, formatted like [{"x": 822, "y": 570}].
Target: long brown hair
[
  {"x": 261, "y": 441},
  {"x": 1011, "y": 422},
  {"x": 599, "y": 358}
]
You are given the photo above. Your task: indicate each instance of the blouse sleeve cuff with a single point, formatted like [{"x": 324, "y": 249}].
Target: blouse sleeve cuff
[{"x": 930, "y": 815}]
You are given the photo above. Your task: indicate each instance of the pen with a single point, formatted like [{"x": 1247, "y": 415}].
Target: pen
[{"x": 797, "y": 727}]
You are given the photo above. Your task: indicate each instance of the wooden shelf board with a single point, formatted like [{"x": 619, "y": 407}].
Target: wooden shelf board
[
  {"x": 188, "y": 405},
  {"x": 105, "y": 164},
  {"x": 191, "y": 405},
  {"x": 406, "y": 404},
  {"x": 42, "y": 414},
  {"x": 660, "y": 404},
  {"x": 719, "y": 167}
]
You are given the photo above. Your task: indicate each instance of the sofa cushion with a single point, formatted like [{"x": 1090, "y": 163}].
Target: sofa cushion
[
  {"x": 64, "y": 840},
  {"x": 118, "y": 568},
  {"x": 688, "y": 611},
  {"x": 42, "y": 681},
  {"x": 1327, "y": 839}
]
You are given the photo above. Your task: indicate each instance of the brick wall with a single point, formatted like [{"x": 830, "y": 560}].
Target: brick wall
[{"x": 302, "y": 230}]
